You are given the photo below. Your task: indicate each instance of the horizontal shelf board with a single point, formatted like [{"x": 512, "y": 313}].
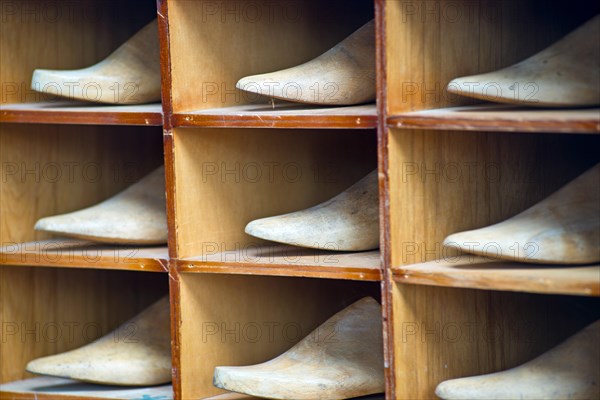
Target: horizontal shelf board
[
  {"x": 501, "y": 118},
  {"x": 281, "y": 115},
  {"x": 239, "y": 396},
  {"x": 84, "y": 254},
  {"x": 231, "y": 396},
  {"x": 69, "y": 112},
  {"x": 282, "y": 260},
  {"x": 476, "y": 272},
  {"x": 45, "y": 388}
]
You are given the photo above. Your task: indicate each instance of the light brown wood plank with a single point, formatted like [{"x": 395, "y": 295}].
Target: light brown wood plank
[
  {"x": 283, "y": 260},
  {"x": 238, "y": 396},
  {"x": 282, "y": 115},
  {"x": 500, "y": 118},
  {"x": 74, "y": 253},
  {"x": 46, "y": 388},
  {"x": 82, "y": 113},
  {"x": 483, "y": 273}
]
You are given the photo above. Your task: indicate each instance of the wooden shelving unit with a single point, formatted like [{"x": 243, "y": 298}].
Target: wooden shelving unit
[{"x": 445, "y": 165}]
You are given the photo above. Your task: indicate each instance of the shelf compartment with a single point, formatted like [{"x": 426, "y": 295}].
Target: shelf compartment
[
  {"x": 231, "y": 44},
  {"x": 487, "y": 330},
  {"x": 500, "y": 118},
  {"x": 72, "y": 253},
  {"x": 245, "y": 320},
  {"x": 69, "y": 112},
  {"x": 44, "y": 388},
  {"x": 281, "y": 115},
  {"x": 282, "y": 260},
  {"x": 227, "y": 177},
  {"x": 475, "y": 272},
  {"x": 49, "y": 311}
]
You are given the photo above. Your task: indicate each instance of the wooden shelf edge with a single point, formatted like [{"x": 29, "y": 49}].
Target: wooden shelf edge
[
  {"x": 500, "y": 118},
  {"x": 282, "y": 260},
  {"x": 67, "y": 253},
  {"x": 302, "y": 271},
  {"x": 94, "y": 115},
  {"x": 296, "y": 122},
  {"x": 239, "y": 396},
  {"x": 472, "y": 272},
  {"x": 49, "y": 388},
  {"x": 286, "y": 115},
  {"x": 8, "y": 395},
  {"x": 231, "y": 396}
]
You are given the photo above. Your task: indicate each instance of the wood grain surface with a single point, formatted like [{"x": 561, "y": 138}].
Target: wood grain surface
[
  {"x": 484, "y": 273},
  {"x": 46, "y": 388},
  {"x": 281, "y": 115},
  {"x": 62, "y": 112},
  {"x": 500, "y": 118},
  {"x": 281, "y": 260}
]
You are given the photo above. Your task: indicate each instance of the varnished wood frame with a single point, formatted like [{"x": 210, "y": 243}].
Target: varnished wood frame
[{"x": 382, "y": 120}]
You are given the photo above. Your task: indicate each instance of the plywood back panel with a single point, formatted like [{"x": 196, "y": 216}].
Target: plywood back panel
[
  {"x": 215, "y": 43},
  {"x": 225, "y": 178},
  {"x": 60, "y": 34},
  {"x": 428, "y": 43},
  {"x": 244, "y": 320},
  {"x": 46, "y": 311}
]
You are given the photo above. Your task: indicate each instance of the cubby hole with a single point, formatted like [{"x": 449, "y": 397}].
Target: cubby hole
[
  {"x": 452, "y": 332},
  {"x": 214, "y": 44},
  {"x": 447, "y": 182},
  {"x": 465, "y": 38},
  {"x": 54, "y": 169},
  {"x": 225, "y": 178},
  {"x": 48, "y": 311},
  {"x": 244, "y": 320},
  {"x": 65, "y": 35}
]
